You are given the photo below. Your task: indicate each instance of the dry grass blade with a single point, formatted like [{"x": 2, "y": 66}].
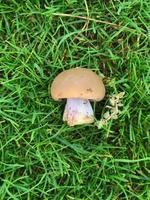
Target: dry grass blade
[
  {"x": 89, "y": 19},
  {"x": 86, "y": 18}
]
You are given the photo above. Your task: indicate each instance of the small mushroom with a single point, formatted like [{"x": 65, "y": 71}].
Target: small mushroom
[{"x": 78, "y": 86}]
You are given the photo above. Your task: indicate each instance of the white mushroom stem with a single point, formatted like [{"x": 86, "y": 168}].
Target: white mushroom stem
[{"x": 78, "y": 111}]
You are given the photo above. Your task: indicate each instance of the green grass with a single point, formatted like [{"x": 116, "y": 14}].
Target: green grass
[{"x": 40, "y": 156}]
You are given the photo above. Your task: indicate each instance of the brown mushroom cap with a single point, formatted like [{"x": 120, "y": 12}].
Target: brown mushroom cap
[{"x": 78, "y": 83}]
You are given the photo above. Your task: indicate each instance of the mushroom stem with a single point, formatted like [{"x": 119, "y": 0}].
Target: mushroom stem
[{"x": 78, "y": 111}]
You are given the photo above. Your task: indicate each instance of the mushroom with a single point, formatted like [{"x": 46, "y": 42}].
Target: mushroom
[{"x": 78, "y": 86}]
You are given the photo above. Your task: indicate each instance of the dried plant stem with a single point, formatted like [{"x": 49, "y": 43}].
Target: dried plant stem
[{"x": 86, "y": 18}]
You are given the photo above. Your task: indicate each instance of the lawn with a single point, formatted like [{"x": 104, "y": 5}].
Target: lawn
[{"x": 41, "y": 157}]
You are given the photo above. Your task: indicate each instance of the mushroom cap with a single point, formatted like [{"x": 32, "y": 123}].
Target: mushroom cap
[{"x": 78, "y": 83}]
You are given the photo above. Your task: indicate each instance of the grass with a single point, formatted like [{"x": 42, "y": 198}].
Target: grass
[{"x": 43, "y": 158}]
